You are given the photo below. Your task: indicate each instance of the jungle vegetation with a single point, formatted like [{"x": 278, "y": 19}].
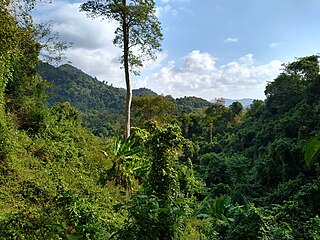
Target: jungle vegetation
[{"x": 190, "y": 169}]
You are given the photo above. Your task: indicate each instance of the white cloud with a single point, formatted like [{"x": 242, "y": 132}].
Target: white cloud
[
  {"x": 171, "y": 8},
  {"x": 92, "y": 50},
  {"x": 161, "y": 56},
  {"x": 199, "y": 76},
  {"x": 276, "y": 44},
  {"x": 197, "y": 61},
  {"x": 231, "y": 40},
  {"x": 97, "y": 63},
  {"x": 166, "y": 10},
  {"x": 247, "y": 59},
  {"x": 171, "y": 11},
  {"x": 74, "y": 26}
]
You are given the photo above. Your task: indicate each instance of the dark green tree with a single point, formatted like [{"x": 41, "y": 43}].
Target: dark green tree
[
  {"x": 236, "y": 108},
  {"x": 138, "y": 35},
  {"x": 218, "y": 118},
  {"x": 21, "y": 88},
  {"x": 8, "y": 48},
  {"x": 165, "y": 143},
  {"x": 153, "y": 108},
  {"x": 291, "y": 86}
]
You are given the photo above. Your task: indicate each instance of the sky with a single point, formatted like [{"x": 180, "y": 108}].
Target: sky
[{"x": 211, "y": 48}]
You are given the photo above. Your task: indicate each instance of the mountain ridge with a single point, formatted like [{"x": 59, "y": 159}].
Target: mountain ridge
[
  {"x": 143, "y": 90},
  {"x": 100, "y": 104}
]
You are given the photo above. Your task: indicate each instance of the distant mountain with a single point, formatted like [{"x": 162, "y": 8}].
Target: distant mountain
[
  {"x": 244, "y": 101},
  {"x": 100, "y": 104}
]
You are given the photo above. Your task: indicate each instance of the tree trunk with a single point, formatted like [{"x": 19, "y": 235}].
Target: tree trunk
[
  {"x": 128, "y": 105},
  {"x": 125, "y": 31}
]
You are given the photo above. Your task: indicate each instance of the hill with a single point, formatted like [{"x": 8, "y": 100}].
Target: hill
[{"x": 100, "y": 104}]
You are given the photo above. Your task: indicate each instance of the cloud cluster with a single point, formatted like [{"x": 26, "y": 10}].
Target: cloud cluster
[
  {"x": 173, "y": 8},
  {"x": 199, "y": 76},
  {"x": 166, "y": 10},
  {"x": 92, "y": 50}
]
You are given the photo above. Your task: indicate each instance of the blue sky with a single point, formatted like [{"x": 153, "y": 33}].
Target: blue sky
[{"x": 211, "y": 48}]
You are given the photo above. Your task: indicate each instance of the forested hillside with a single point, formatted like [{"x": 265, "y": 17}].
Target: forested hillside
[
  {"x": 190, "y": 170},
  {"x": 101, "y": 105}
]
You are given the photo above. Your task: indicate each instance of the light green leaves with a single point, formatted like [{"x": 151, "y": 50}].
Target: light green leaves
[
  {"x": 124, "y": 148},
  {"x": 311, "y": 150}
]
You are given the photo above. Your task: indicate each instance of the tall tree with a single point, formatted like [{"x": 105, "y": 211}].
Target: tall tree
[{"x": 138, "y": 35}]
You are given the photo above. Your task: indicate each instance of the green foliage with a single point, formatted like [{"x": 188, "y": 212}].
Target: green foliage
[
  {"x": 191, "y": 126},
  {"x": 191, "y": 104},
  {"x": 257, "y": 158},
  {"x": 214, "y": 169},
  {"x": 124, "y": 149},
  {"x": 124, "y": 163},
  {"x": 153, "y": 108},
  {"x": 159, "y": 210},
  {"x": 143, "y": 91},
  {"x": 100, "y": 104},
  {"x": 306, "y": 67},
  {"x": 312, "y": 150},
  {"x": 236, "y": 108},
  {"x": 143, "y": 213},
  {"x": 57, "y": 180},
  {"x": 49, "y": 166},
  {"x": 313, "y": 228},
  {"x": 149, "y": 219},
  {"x": 164, "y": 144},
  {"x": 8, "y": 50},
  {"x": 289, "y": 87}
]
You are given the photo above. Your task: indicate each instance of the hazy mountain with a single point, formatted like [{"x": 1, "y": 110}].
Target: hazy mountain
[{"x": 244, "y": 101}]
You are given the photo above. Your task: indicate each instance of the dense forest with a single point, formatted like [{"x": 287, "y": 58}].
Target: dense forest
[
  {"x": 101, "y": 105},
  {"x": 191, "y": 169}
]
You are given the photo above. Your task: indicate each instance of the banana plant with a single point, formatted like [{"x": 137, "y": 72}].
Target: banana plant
[
  {"x": 123, "y": 148},
  {"x": 123, "y": 162}
]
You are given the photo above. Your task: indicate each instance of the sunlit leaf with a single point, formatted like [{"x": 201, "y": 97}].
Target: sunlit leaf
[{"x": 312, "y": 150}]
